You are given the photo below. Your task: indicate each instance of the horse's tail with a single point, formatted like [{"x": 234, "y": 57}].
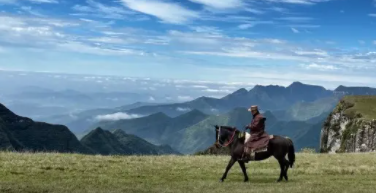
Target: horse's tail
[{"x": 291, "y": 153}]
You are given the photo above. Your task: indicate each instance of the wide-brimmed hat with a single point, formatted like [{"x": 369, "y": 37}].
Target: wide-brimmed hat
[{"x": 254, "y": 107}]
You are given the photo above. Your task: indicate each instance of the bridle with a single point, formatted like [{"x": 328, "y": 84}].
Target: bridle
[{"x": 229, "y": 142}]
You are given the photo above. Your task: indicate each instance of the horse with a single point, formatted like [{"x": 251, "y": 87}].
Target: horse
[{"x": 278, "y": 147}]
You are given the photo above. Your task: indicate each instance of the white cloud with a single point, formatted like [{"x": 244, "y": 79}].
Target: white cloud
[
  {"x": 158, "y": 41},
  {"x": 255, "y": 11},
  {"x": 304, "y": 26},
  {"x": 229, "y": 18},
  {"x": 250, "y": 54},
  {"x": 23, "y": 30},
  {"x": 254, "y": 23},
  {"x": 220, "y": 4},
  {"x": 8, "y": 1},
  {"x": 214, "y": 31},
  {"x": 44, "y": 1},
  {"x": 167, "y": 12},
  {"x": 217, "y": 90},
  {"x": 194, "y": 38},
  {"x": 274, "y": 41},
  {"x": 278, "y": 9},
  {"x": 374, "y": 42},
  {"x": 315, "y": 66},
  {"x": 303, "y": 2},
  {"x": 285, "y": 52},
  {"x": 296, "y": 19},
  {"x": 199, "y": 86},
  {"x": 314, "y": 53},
  {"x": 183, "y": 109},
  {"x": 117, "y": 116},
  {"x": 295, "y": 30},
  {"x": 96, "y": 50},
  {"x": 185, "y": 98},
  {"x": 100, "y": 10},
  {"x": 372, "y": 14},
  {"x": 113, "y": 40},
  {"x": 32, "y": 1},
  {"x": 31, "y": 11}
]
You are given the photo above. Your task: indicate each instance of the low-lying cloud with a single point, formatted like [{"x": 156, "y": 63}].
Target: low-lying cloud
[
  {"x": 183, "y": 109},
  {"x": 117, "y": 116}
]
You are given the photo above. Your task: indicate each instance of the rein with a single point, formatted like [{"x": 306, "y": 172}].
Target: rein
[{"x": 229, "y": 142}]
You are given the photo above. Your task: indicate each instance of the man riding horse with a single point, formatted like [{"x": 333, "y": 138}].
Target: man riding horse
[{"x": 258, "y": 139}]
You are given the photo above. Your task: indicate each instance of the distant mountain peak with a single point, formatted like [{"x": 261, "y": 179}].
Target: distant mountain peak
[
  {"x": 98, "y": 129},
  {"x": 298, "y": 84},
  {"x": 295, "y": 83},
  {"x": 241, "y": 91},
  {"x": 340, "y": 87},
  {"x": 267, "y": 88},
  {"x": 159, "y": 115}
]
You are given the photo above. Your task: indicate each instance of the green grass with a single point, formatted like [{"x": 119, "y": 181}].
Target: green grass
[
  {"x": 42, "y": 172},
  {"x": 365, "y": 105}
]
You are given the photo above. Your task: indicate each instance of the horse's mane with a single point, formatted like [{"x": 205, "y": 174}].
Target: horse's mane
[
  {"x": 232, "y": 129},
  {"x": 229, "y": 127}
]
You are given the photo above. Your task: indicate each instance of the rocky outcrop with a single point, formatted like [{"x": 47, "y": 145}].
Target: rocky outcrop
[{"x": 351, "y": 127}]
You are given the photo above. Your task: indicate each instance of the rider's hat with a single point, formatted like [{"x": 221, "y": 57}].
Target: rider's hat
[{"x": 254, "y": 107}]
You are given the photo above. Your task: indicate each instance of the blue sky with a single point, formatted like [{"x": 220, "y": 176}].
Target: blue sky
[{"x": 326, "y": 42}]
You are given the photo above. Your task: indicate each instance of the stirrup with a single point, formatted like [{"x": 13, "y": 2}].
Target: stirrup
[{"x": 248, "y": 156}]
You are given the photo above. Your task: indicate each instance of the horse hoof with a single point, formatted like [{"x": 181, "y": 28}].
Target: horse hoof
[
  {"x": 221, "y": 180},
  {"x": 246, "y": 180},
  {"x": 279, "y": 180}
]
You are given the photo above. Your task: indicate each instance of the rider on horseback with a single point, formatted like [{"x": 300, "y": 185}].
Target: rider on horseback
[{"x": 259, "y": 139}]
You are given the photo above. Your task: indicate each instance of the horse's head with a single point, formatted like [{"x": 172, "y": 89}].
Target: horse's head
[{"x": 223, "y": 134}]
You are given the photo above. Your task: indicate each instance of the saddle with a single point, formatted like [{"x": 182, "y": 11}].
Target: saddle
[{"x": 250, "y": 154}]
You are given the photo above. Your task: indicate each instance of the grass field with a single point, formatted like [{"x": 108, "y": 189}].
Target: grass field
[{"x": 24, "y": 172}]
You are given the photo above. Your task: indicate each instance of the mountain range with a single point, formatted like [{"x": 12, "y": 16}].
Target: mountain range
[
  {"x": 297, "y": 111},
  {"x": 194, "y": 131},
  {"x": 23, "y": 134},
  {"x": 298, "y": 101}
]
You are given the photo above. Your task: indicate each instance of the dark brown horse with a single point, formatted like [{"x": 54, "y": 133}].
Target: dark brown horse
[{"x": 278, "y": 147}]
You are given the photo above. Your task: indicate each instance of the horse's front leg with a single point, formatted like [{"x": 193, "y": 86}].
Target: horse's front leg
[
  {"x": 229, "y": 165},
  {"x": 242, "y": 165}
]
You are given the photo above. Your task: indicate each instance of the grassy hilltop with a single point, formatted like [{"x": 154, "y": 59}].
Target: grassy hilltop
[
  {"x": 363, "y": 105},
  {"x": 24, "y": 172}
]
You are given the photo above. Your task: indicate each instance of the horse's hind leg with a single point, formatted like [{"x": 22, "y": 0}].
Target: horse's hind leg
[
  {"x": 282, "y": 166},
  {"x": 287, "y": 163},
  {"x": 242, "y": 165},
  {"x": 229, "y": 165}
]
